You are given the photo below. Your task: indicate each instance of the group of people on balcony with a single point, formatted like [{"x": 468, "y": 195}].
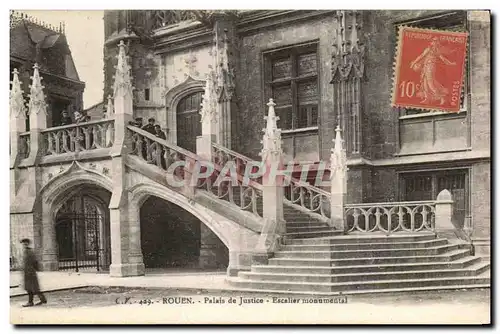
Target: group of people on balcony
[{"x": 78, "y": 117}]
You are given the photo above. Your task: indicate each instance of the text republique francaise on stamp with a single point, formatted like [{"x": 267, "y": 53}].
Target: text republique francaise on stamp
[{"x": 429, "y": 70}]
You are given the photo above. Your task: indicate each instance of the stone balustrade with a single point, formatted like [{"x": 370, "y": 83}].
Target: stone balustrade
[
  {"x": 309, "y": 198},
  {"x": 156, "y": 151},
  {"x": 78, "y": 137},
  {"x": 24, "y": 147},
  {"x": 301, "y": 195},
  {"x": 391, "y": 217}
]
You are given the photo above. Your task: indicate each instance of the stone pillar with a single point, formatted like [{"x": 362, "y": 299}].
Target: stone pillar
[
  {"x": 38, "y": 116},
  {"x": 224, "y": 31},
  {"x": 444, "y": 208},
  {"x": 41, "y": 217},
  {"x": 338, "y": 168},
  {"x": 17, "y": 126},
  {"x": 211, "y": 249},
  {"x": 347, "y": 77},
  {"x": 126, "y": 255},
  {"x": 17, "y": 119},
  {"x": 272, "y": 188},
  {"x": 209, "y": 120}
]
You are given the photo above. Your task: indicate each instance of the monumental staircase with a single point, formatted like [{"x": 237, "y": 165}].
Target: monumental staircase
[
  {"x": 382, "y": 247},
  {"x": 309, "y": 240}
]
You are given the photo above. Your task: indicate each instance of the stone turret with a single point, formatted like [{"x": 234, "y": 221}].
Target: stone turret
[
  {"x": 272, "y": 187},
  {"x": 37, "y": 106},
  {"x": 122, "y": 86},
  {"x": 271, "y": 141},
  {"x": 123, "y": 100},
  {"x": 338, "y": 167},
  {"x": 17, "y": 118},
  {"x": 16, "y": 100}
]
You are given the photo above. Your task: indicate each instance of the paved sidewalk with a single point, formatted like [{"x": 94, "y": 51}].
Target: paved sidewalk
[{"x": 54, "y": 281}]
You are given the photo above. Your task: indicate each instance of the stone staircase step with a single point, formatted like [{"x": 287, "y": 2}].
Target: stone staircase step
[
  {"x": 328, "y": 270},
  {"x": 348, "y": 287},
  {"x": 305, "y": 223},
  {"x": 308, "y": 229},
  {"x": 473, "y": 270},
  {"x": 446, "y": 257},
  {"x": 298, "y": 218},
  {"x": 302, "y": 235},
  {"x": 365, "y": 246},
  {"x": 359, "y": 239},
  {"x": 339, "y": 254}
]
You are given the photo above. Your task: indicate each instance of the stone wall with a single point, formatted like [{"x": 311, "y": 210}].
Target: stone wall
[
  {"x": 252, "y": 107},
  {"x": 480, "y": 77}
]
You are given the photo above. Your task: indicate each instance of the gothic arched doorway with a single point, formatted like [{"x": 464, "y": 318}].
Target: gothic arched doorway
[
  {"x": 189, "y": 120},
  {"x": 82, "y": 234}
]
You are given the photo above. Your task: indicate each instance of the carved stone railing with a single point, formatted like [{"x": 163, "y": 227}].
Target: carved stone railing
[
  {"x": 390, "y": 217},
  {"x": 309, "y": 198},
  {"x": 24, "y": 145},
  {"x": 78, "y": 137},
  {"x": 246, "y": 195},
  {"x": 222, "y": 155},
  {"x": 301, "y": 195},
  {"x": 159, "y": 152}
]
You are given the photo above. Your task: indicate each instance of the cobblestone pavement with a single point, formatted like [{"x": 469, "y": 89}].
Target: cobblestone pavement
[{"x": 163, "y": 306}]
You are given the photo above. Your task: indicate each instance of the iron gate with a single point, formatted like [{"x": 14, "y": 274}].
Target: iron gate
[{"x": 78, "y": 239}]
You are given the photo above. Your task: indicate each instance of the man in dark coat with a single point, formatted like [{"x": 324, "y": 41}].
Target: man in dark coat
[
  {"x": 30, "y": 268},
  {"x": 150, "y": 127},
  {"x": 159, "y": 133},
  {"x": 65, "y": 118}
]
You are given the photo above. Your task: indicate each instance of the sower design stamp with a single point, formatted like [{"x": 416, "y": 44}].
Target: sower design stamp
[{"x": 429, "y": 69}]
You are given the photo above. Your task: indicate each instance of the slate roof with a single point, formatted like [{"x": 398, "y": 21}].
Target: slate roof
[{"x": 54, "y": 56}]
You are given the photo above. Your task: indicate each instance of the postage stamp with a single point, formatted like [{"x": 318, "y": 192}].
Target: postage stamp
[{"x": 429, "y": 72}]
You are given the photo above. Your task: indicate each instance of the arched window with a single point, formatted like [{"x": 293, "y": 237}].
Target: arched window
[{"x": 189, "y": 120}]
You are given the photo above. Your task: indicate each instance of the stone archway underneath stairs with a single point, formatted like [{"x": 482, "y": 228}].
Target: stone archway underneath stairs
[{"x": 174, "y": 239}]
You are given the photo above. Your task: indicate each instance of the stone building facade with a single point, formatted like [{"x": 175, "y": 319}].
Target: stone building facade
[
  {"x": 322, "y": 68},
  {"x": 96, "y": 195}
]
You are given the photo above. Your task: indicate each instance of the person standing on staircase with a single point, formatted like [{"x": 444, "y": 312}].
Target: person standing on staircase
[
  {"x": 30, "y": 267},
  {"x": 150, "y": 127}
]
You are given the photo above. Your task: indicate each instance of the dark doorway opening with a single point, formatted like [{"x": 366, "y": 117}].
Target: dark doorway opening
[
  {"x": 189, "y": 121},
  {"x": 171, "y": 237}
]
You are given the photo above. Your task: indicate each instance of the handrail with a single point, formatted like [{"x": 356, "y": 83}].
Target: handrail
[
  {"x": 163, "y": 142},
  {"x": 74, "y": 125},
  {"x": 159, "y": 152},
  {"x": 359, "y": 205},
  {"x": 187, "y": 153},
  {"x": 292, "y": 179}
]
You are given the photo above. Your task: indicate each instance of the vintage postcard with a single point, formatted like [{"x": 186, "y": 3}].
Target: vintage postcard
[{"x": 250, "y": 167}]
